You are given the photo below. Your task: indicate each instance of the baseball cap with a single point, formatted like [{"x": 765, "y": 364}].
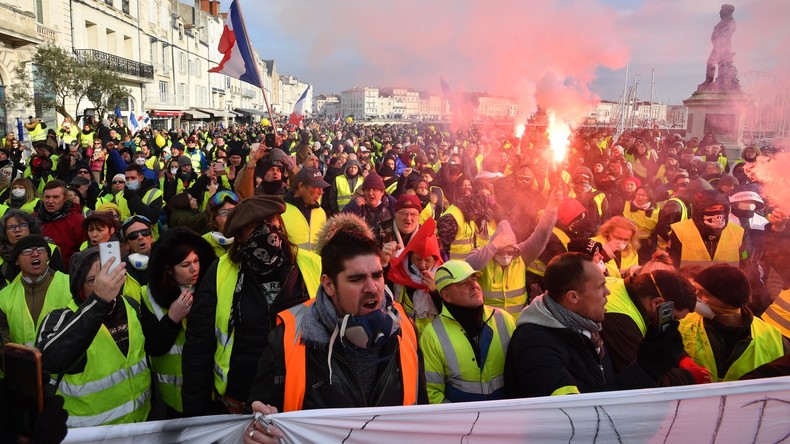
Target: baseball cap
[
  {"x": 311, "y": 177},
  {"x": 453, "y": 272}
]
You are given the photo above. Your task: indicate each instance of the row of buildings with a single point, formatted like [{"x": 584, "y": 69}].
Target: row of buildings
[
  {"x": 162, "y": 50},
  {"x": 369, "y": 103}
]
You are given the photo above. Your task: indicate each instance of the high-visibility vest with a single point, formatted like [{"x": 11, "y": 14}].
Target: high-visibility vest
[
  {"x": 195, "y": 157},
  {"x": 765, "y": 346},
  {"x": 23, "y": 329},
  {"x": 644, "y": 224},
  {"x": 219, "y": 250},
  {"x": 466, "y": 238},
  {"x": 452, "y": 372},
  {"x": 151, "y": 195},
  {"x": 778, "y": 313},
  {"x": 167, "y": 368},
  {"x": 300, "y": 233},
  {"x": 113, "y": 388},
  {"x": 628, "y": 258},
  {"x": 296, "y": 358},
  {"x": 29, "y": 207},
  {"x": 684, "y": 213},
  {"x": 392, "y": 188},
  {"x": 86, "y": 139},
  {"x": 598, "y": 199},
  {"x": 309, "y": 265},
  {"x": 344, "y": 191},
  {"x": 37, "y": 133},
  {"x": 505, "y": 287},
  {"x": 70, "y": 135},
  {"x": 537, "y": 267},
  {"x": 694, "y": 252},
  {"x": 619, "y": 301}
]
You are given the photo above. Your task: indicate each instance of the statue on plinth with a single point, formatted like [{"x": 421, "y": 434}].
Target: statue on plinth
[{"x": 721, "y": 55}]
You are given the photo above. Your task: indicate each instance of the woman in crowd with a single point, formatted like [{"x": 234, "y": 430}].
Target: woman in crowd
[
  {"x": 643, "y": 212},
  {"x": 620, "y": 243},
  {"x": 218, "y": 208},
  {"x": 15, "y": 225},
  {"x": 23, "y": 195}
]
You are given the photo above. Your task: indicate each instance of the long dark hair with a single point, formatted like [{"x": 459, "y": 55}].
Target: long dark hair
[{"x": 174, "y": 246}]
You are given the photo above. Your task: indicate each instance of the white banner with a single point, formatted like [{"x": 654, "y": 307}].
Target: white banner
[{"x": 740, "y": 412}]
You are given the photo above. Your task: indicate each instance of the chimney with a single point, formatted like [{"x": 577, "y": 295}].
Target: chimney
[
  {"x": 214, "y": 8},
  {"x": 204, "y": 5}
]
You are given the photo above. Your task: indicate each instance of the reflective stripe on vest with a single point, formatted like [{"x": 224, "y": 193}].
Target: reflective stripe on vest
[
  {"x": 296, "y": 360},
  {"x": 112, "y": 388},
  {"x": 22, "y": 328},
  {"x": 778, "y": 313},
  {"x": 765, "y": 346},
  {"x": 344, "y": 191},
  {"x": 694, "y": 251},
  {"x": 391, "y": 188},
  {"x": 476, "y": 380},
  {"x": 466, "y": 238},
  {"x": 619, "y": 301},
  {"x": 300, "y": 233},
  {"x": 168, "y": 367},
  {"x": 684, "y": 215},
  {"x": 537, "y": 266},
  {"x": 505, "y": 288}
]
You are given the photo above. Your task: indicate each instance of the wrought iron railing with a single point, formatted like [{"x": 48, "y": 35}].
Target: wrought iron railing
[{"x": 116, "y": 63}]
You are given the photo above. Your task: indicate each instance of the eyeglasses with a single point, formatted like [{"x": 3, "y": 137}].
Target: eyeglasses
[
  {"x": 97, "y": 143},
  {"x": 223, "y": 196},
  {"x": 19, "y": 227},
  {"x": 29, "y": 251},
  {"x": 135, "y": 234},
  {"x": 115, "y": 182}
]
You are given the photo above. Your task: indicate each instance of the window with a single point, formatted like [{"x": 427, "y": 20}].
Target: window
[
  {"x": 91, "y": 34},
  {"x": 162, "y": 92},
  {"x": 109, "y": 2},
  {"x": 39, "y": 14},
  {"x": 152, "y": 59},
  {"x": 165, "y": 59},
  {"x": 125, "y": 6},
  {"x": 181, "y": 62}
]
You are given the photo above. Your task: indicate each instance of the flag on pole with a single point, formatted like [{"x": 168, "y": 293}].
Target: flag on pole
[
  {"x": 238, "y": 60},
  {"x": 118, "y": 111},
  {"x": 133, "y": 121},
  {"x": 298, "y": 114}
]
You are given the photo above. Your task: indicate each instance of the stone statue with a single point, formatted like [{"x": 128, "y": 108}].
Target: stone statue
[{"x": 721, "y": 54}]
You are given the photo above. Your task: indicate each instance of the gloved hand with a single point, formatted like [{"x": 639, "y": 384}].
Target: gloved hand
[
  {"x": 660, "y": 351},
  {"x": 278, "y": 155},
  {"x": 701, "y": 374}
]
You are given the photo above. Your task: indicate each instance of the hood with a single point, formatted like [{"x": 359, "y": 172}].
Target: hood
[
  {"x": 504, "y": 229},
  {"x": 705, "y": 199},
  {"x": 424, "y": 243},
  {"x": 569, "y": 210},
  {"x": 350, "y": 163},
  {"x": 695, "y": 186},
  {"x": 537, "y": 313}
]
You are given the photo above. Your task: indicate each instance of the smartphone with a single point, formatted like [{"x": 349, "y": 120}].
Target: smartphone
[
  {"x": 666, "y": 314},
  {"x": 23, "y": 384},
  {"x": 108, "y": 250},
  {"x": 270, "y": 140}
]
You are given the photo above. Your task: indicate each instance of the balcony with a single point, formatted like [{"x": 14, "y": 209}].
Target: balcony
[{"x": 117, "y": 64}]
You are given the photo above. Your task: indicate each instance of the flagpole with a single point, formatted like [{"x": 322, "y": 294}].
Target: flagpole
[{"x": 268, "y": 108}]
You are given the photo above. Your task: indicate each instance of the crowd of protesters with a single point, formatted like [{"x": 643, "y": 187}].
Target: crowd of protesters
[{"x": 403, "y": 263}]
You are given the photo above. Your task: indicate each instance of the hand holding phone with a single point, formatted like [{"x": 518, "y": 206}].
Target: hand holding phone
[
  {"x": 109, "y": 250},
  {"x": 665, "y": 313}
]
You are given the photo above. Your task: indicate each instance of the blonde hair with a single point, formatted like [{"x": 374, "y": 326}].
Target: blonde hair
[{"x": 615, "y": 222}]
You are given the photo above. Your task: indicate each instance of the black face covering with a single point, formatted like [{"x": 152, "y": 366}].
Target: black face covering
[
  {"x": 742, "y": 214},
  {"x": 263, "y": 251}
]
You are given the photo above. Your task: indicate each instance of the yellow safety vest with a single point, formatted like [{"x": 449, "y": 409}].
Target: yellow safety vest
[
  {"x": 694, "y": 251},
  {"x": 300, "y": 233},
  {"x": 392, "y": 187},
  {"x": 765, "y": 346},
  {"x": 23, "y": 329},
  {"x": 505, "y": 288},
  {"x": 344, "y": 191},
  {"x": 168, "y": 374},
  {"x": 452, "y": 373},
  {"x": 151, "y": 195},
  {"x": 644, "y": 224},
  {"x": 219, "y": 250},
  {"x": 466, "y": 238},
  {"x": 309, "y": 265},
  {"x": 113, "y": 388},
  {"x": 37, "y": 133},
  {"x": 537, "y": 267},
  {"x": 619, "y": 301},
  {"x": 86, "y": 139},
  {"x": 778, "y": 313}
]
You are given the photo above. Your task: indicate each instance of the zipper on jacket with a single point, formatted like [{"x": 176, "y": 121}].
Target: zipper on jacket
[
  {"x": 388, "y": 373},
  {"x": 356, "y": 378}
]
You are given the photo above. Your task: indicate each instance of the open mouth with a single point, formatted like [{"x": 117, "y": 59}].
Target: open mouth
[
  {"x": 35, "y": 262},
  {"x": 371, "y": 304}
]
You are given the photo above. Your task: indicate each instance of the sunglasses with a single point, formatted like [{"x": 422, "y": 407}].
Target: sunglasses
[
  {"x": 135, "y": 234},
  {"x": 223, "y": 196},
  {"x": 118, "y": 181}
]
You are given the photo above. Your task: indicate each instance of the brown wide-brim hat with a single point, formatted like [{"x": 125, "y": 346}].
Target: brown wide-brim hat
[{"x": 252, "y": 210}]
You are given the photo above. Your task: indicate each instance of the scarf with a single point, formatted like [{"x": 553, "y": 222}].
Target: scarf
[
  {"x": 575, "y": 322},
  {"x": 263, "y": 251},
  {"x": 406, "y": 275},
  {"x": 44, "y": 216}
]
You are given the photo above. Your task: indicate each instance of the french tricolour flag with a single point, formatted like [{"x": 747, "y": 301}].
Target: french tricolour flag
[
  {"x": 298, "y": 114},
  {"x": 238, "y": 61}
]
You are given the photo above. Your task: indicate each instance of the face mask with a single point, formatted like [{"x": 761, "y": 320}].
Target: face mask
[
  {"x": 133, "y": 184},
  {"x": 716, "y": 222},
  {"x": 18, "y": 192},
  {"x": 220, "y": 239},
  {"x": 167, "y": 156},
  {"x": 503, "y": 260},
  {"x": 642, "y": 207},
  {"x": 584, "y": 187},
  {"x": 140, "y": 161},
  {"x": 263, "y": 251},
  {"x": 704, "y": 309},
  {"x": 173, "y": 170},
  {"x": 138, "y": 261},
  {"x": 621, "y": 246},
  {"x": 371, "y": 330}
]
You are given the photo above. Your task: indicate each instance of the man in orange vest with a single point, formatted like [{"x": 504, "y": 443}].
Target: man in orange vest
[{"x": 350, "y": 346}]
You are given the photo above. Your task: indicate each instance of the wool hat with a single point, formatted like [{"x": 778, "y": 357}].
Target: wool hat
[
  {"x": 119, "y": 176},
  {"x": 29, "y": 241},
  {"x": 312, "y": 177},
  {"x": 726, "y": 283},
  {"x": 184, "y": 160},
  {"x": 79, "y": 181},
  {"x": 584, "y": 245},
  {"x": 373, "y": 181},
  {"x": 569, "y": 210},
  {"x": 728, "y": 179},
  {"x": 386, "y": 171},
  {"x": 252, "y": 210},
  {"x": 408, "y": 201}
]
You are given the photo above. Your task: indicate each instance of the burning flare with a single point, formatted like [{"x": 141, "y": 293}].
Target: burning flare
[
  {"x": 559, "y": 132},
  {"x": 520, "y": 127}
]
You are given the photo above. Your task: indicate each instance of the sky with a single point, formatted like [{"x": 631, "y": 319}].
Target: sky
[{"x": 548, "y": 52}]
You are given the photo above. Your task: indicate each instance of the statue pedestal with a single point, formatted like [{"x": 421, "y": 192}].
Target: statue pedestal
[{"x": 721, "y": 112}]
